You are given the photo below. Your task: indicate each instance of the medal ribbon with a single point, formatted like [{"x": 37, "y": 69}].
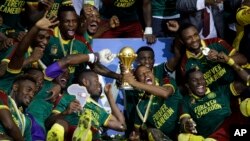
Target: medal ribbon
[
  {"x": 145, "y": 117},
  {"x": 62, "y": 46},
  {"x": 19, "y": 114}
]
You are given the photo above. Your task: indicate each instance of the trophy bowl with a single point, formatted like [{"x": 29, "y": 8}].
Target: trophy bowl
[{"x": 127, "y": 56}]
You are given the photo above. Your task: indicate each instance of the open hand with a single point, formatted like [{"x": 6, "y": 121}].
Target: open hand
[{"x": 47, "y": 23}]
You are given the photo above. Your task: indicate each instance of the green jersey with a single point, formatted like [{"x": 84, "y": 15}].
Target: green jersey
[
  {"x": 209, "y": 111},
  {"x": 126, "y": 11},
  {"x": 132, "y": 96},
  {"x": 10, "y": 10},
  {"x": 39, "y": 103},
  {"x": 21, "y": 120},
  {"x": 43, "y": 93},
  {"x": 7, "y": 79},
  {"x": 99, "y": 115},
  {"x": 58, "y": 48},
  {"x": 163, "y": 8},
  {"x": 54, "y": 8},
  {"x": 215, "y": 73},
  {"x": 40, "y": 109},
  {"x": 163, "y": 113}
]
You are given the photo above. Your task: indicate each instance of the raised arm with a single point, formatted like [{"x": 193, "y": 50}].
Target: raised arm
[
  {"x": 161, "y": 91},
  {"x": 36, "y": 10},
  {"x": 117, "y": 120},
  {"x": 17, "y": 60},
  {"x": 102, "y": 70}
]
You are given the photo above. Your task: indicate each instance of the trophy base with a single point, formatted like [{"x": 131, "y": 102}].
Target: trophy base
[{"x": 125, "y": 87}]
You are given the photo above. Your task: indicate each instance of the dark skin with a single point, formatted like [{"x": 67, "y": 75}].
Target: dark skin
[
  {"x": 68, "y": 23},
  {"x": 74, "y": 105},
  {"x": 93, "y": 86},
  {"x": 36, "y": 12},
  {"x": 16, "y": 63},
  {"x": 64, "y": 63},
  {"x": 22, "y": 93},
  {"x": 147, "y": 15},
  {"x": 197, "y": 86},
  {"x": 144, "y": 80},
  {"x": 143, "y": 75},
  {"x": 242, "y": 73},
  {"x": 190, "y": 38},
  {"x": 41, "y": 40},
  {"x": 10, "y": 126},
  {"x": 88, "y": 17},
  {"x": 39, "y": 33},
  {"x": 17, "y": 60}
]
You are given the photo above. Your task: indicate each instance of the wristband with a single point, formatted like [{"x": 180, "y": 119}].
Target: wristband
[
  {"x": 148, "y": 30},
  {"x": 91, "y": 57},
  {"x": 230, "y": 62}
]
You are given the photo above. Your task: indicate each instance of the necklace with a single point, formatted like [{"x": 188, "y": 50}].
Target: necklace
[
  {"x": 62, "y": 46},
  {"x": 145, "y": 117},
  {"x": 19, "y": 115}
]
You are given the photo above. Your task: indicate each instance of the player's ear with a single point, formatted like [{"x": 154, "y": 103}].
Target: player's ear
[
  {"x": 85, "y": 82},
  {"x": 15, "y": 87}
]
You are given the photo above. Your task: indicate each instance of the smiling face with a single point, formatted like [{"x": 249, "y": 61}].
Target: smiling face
[
  {"x": 144, "y": 74},
  {"x": 41, "y": 39},
  {"x": 25, "y": 90},
  {"x": 92, "y": 19},
  {"x": 63, "y": 78},
  {"x": 190, "y": 37},
  {"x": 197, "y": 83},
  {"x": 146, "y": 58},
  {"x": 68, "y": 24}
]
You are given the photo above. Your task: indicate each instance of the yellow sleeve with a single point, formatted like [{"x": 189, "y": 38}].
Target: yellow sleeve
[{"x": 243, "y": 15}]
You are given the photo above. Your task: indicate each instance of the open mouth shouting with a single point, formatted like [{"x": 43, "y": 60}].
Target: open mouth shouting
[{"x": 149, "y": 81}]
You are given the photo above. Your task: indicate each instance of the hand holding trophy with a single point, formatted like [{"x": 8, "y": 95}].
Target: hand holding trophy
[{"x": 127, "y": 56}]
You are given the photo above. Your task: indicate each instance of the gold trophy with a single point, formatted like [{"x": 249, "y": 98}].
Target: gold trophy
[{"x": 127, "y": 56}]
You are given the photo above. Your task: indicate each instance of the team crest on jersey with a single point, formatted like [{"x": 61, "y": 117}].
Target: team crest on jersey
[
  {"x": 211, "y": 95},
  {"x": 54, "y": 49}
]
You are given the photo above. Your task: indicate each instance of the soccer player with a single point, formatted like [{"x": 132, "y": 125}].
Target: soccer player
[
  {"x": 158, "y": 101},
  {"x": 207, "y": 113},
  {"x": 68, "y": 109},
  {"x": 14, "y": 123},
  {"x": 215, "y": 72}
]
